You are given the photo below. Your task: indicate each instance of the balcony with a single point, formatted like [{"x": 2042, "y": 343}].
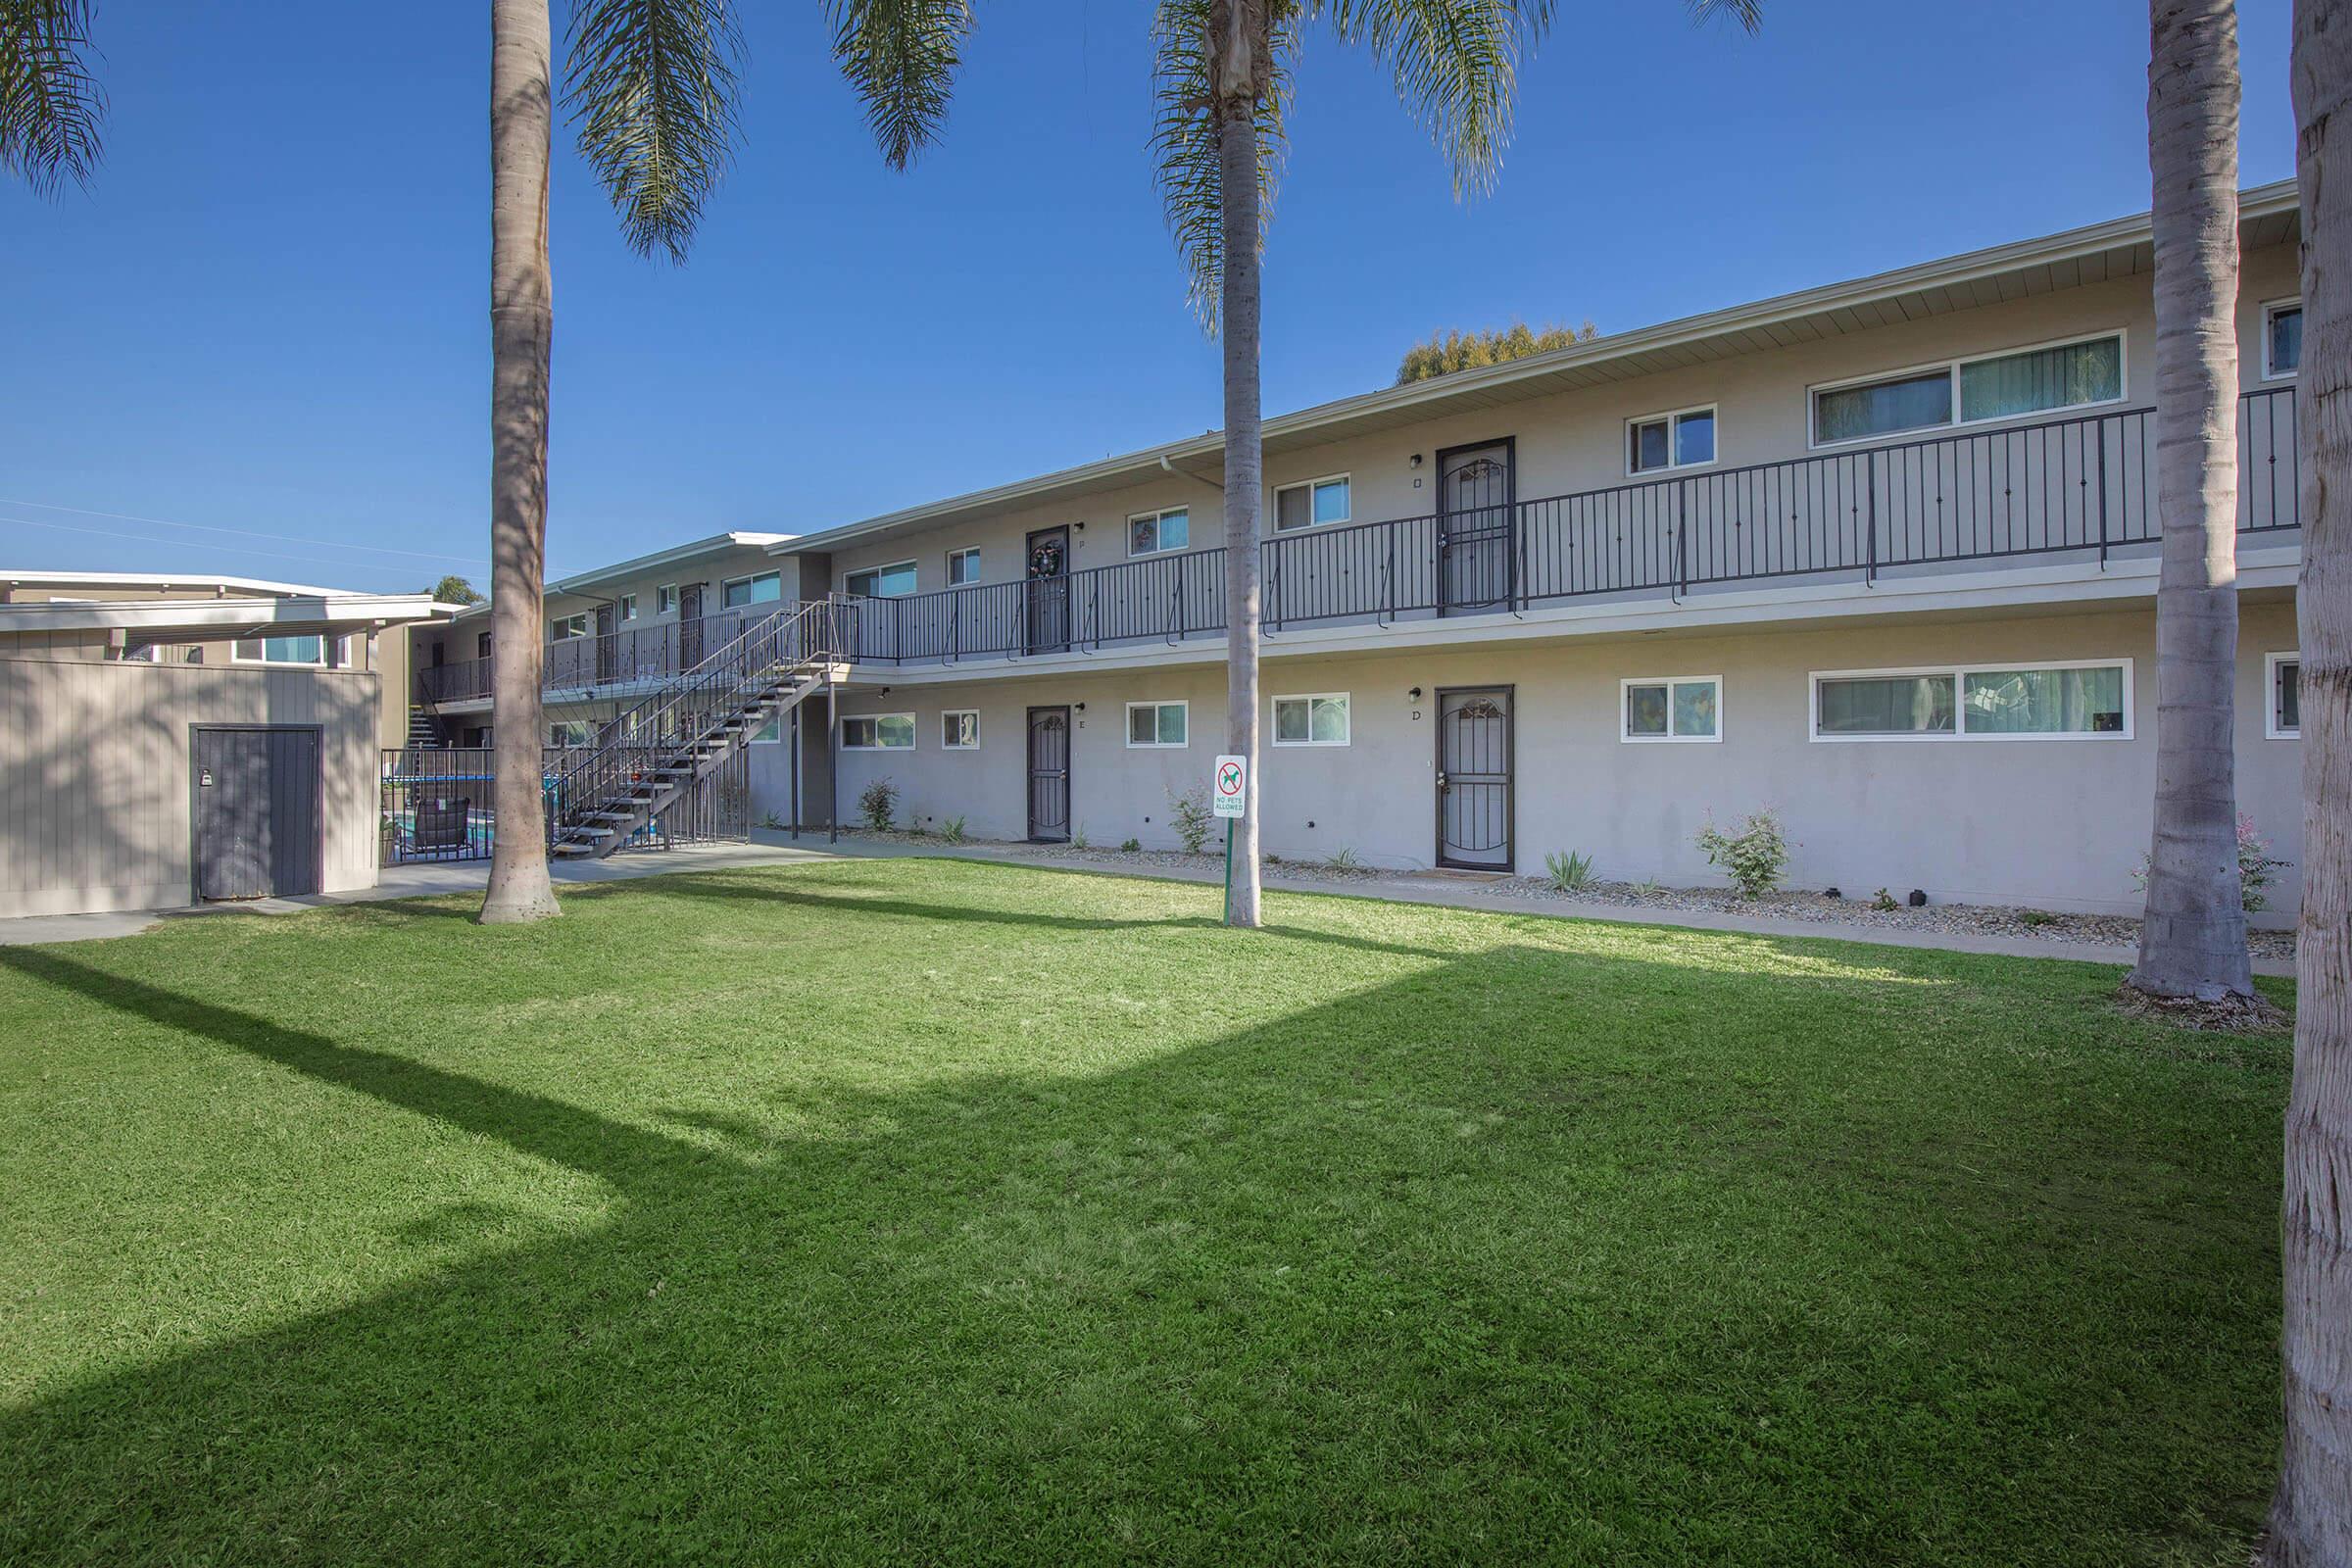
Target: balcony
[
  {"x": 2081, "y": 486},
  {"x": 2074, "y": 488}
]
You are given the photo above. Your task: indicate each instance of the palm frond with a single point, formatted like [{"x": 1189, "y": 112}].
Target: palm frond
[
  {"x": 1456, "y": 68},
  {"x": 1183, "y": 141},
  {"x": 653, "y": 83},
  {"x": 899, "y": 57},
  {"x": 50, "y": 105},
  {"x": 1749, "y": 14}
]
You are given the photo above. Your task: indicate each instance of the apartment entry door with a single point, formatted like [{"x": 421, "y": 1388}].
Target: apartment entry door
[
  {"x": 1474, "y": 778},
  {"x": 690, "y": 625},
  {"x": 604, "y": 645},
  {"x": 1048, "y": 589},
  {"x": 1475, "y": 527},
  {"x": 256, "y": 813},
  {"x": 1048, "y": 775}
]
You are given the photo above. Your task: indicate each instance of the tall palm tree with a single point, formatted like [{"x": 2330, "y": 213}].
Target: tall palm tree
[
  {"x": 1222, "y": 72},
  {"x": 2192, "y": 942},
  {"x": 652, "y": 83},
  {"x": 2310, "y": 1516},
  {"x": 50, "y": 105}
]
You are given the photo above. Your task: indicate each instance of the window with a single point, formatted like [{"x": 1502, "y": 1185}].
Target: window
[
  {"x": 1312, "y": 504},
  {"x": 1150, "y": 533},
  {"x": 1681, "y": 440},
  {"x": 764, "y": 589},
  {"x": 878, "y": 732},
  {"x": 1320, "y": 719},
  {"x": 665, "y": 599},
  {"x": 279, "y": 651},
  {"x": 625, "y": 607},
  {"x": 565, "y": 627},
  {"x": 571, "y": 732},
  {"x": 1990, "y": 386},
  {"x": 1156, "y": 724},
  {"x": 1682, "y": 708},
  {"x": 2281, "y": 338},
  {"x": 959, "y": 729},
  {"x": 1983, "y": 702},
  {"x": 481, "y": 645},
  {"x": 769, "y": 733},
  {"x": 2284, "y": 681},
  {"x": 963, "y": 567},
  {"x": 894, "y": 582}
]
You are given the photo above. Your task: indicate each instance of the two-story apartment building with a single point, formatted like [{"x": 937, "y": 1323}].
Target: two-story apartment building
[{"x": 1880, "y": 556}]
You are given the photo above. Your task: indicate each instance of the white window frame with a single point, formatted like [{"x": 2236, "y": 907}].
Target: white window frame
[
  {"x": 1673, "y": 460},
  {"x": 1274, "y": 705},
  {"x": 665, "y": 599},
  {"x": 1960, "y": 674},
  {"x": 342, "y": 648},
  {"x": 914, "y": 587},
  {"x": 953, "y": 556},
  {"x": 2271, "y": 308},
  {"x": 1156, "y": 745},
  {"x": 558, "y": 622},
  {"x": 913, "y": 737},
  {"x": 1308, "y": 486},
  {"x": 946, "y": 714},
  {"x": 1134, "y": 517},
  {"x": 2272, "y": 730},
  {"x": 1669, "y": 683},
  {"x": 1951, "y": 369},
  {"x": 726, "y": 583},
  {"x": 624, "y": 607}
]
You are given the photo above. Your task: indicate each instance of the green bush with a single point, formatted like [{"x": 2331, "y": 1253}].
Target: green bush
[
  {"x": 1192, "y": 818},
  {"x": 951, "y": 829},
  {"x": 879, "y": 803},
  {"x": 1130, "y": 846},
  {"x": 1345, "y": 859},
  {"x": 1570, "y": 872},
  {"x": 1756, "y": 858}
]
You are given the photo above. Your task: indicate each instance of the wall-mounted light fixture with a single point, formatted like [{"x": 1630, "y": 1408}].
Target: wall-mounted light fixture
[
  {"x": 1082, "y": 707},
  {"x": 1414, "y": 460},
  {"x": 1414, "y": 694}
]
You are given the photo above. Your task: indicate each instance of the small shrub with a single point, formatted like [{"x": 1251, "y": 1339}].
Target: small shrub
[
  {"x": 1883, "y": 901},
  {"x": 878, "y": 801},
  {"x": 1132, "y": 845},
  {"x": 953, "y": 830},
  {"x": 1647, "y": 887},
  {"x": 1570, "y": 872},
  {"x": 1192, "y": 819},
  {"x": 2256, "y": 869},
  {"x": 1272, "y": 859},
  {"x": 772, "y": 822},
  {"x": 1756, "y": 858},
  {"x": 2035, "y": 916},
  {"x": 1344, "y": 858}
]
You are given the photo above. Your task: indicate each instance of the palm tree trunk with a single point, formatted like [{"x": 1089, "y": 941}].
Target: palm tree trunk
[
  {"x": 521, "y": 326},
  {"x": 2310, "y": 1516},
  {"x": 2194, "y": 941},
  {"x": 1245, "y": 466}
]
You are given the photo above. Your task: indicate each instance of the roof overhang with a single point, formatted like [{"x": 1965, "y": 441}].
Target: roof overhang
[
  {"x": 679, "y": 555},
  {"x": 155, "y": 620},
  {"x": 163, "y": 583},
  {"x": 2123, "y": 247}
]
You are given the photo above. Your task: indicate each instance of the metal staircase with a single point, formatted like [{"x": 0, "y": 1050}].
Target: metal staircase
[
  {"x": 425, "y": 729},
  {"x": 653, "y": 754}
]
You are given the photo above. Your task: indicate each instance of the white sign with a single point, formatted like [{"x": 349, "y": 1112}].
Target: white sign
[{"x": 1229, "y": 786}]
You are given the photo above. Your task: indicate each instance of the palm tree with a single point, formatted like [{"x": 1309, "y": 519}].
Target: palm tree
[
  {"x": 2192, "y": 942},
  {"x": 2310, "y": 1516},
  {"x": 1222, "y": 72},
  {"x": 653, "y": 85},
  {"x": 50, "y": 104}
]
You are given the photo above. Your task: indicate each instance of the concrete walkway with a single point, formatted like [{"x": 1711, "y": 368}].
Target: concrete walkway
[{"x": 770, "y": 848}]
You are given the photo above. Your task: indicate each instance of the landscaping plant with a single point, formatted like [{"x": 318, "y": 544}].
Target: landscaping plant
[
  {"x": 1569, "y": 872},
  {"x": 1191, "y": 817},
  {"x": 1756, "y": 858},
  {"x": 951, "y": 829},
  {"x": 878, "y": 801}
]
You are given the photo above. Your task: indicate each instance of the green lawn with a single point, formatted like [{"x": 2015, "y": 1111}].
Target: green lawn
[{"x": 919, "y": 1210}]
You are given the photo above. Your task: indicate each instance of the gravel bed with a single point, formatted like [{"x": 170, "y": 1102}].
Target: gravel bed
[{"x": 2032, "y": 925}]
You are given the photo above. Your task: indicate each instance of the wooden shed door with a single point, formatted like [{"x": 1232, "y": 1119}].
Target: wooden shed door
[{"x": 256, "y": 813}]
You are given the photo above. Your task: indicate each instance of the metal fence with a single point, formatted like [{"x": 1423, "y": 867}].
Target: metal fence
[{"x": 437, "y": 804}]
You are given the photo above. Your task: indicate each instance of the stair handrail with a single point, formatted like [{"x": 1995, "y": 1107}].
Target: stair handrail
[{"x": 778, "y": 639}]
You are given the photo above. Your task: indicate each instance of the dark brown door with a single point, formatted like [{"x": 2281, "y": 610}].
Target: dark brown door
[
  {"x": 605, "y": 643},
  {"x": 1049, "y": 588},
  {"x": 1474, "y": 778},
  {"x": 690, "y": 625},
  {"x": 1475, "y": 531},
  {"x": 1048, "y": 775}
]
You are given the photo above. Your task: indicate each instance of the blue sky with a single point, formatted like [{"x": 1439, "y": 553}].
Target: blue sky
[{"x": 268, "y": 312}]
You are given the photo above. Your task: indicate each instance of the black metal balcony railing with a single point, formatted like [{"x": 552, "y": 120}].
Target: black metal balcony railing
[{"x": 2080, "y": 484}]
